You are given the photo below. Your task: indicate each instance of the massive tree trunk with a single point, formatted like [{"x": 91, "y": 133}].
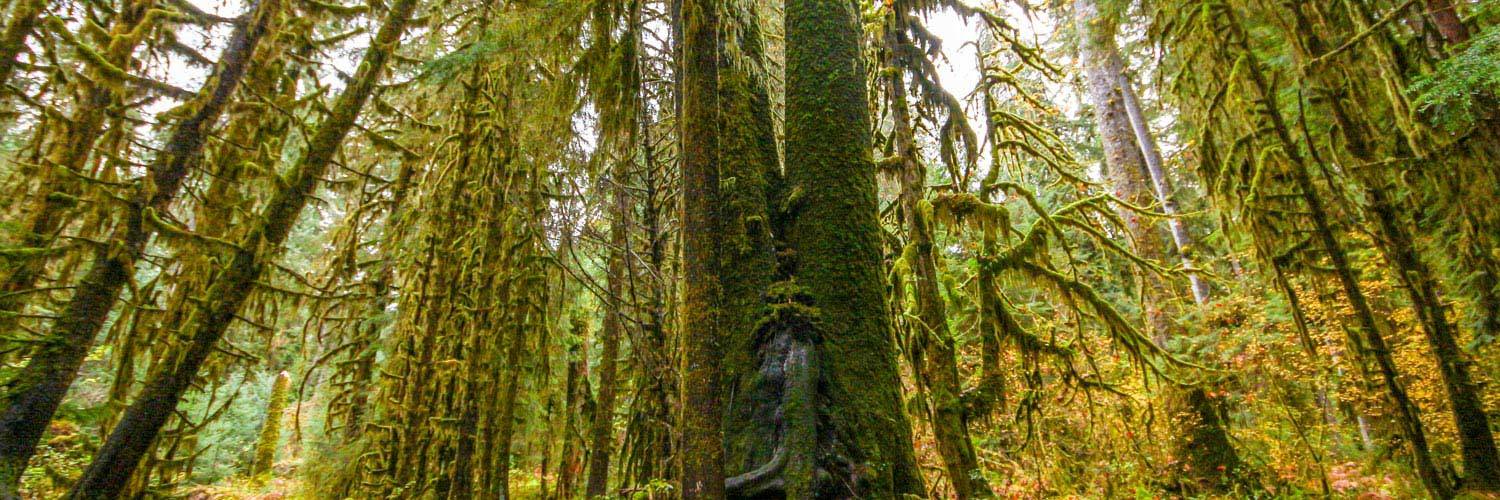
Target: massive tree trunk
[
  {"x": 1200, "y": 440},
  {"x": 131, "y": 438},
  {"x": 836, "y": 237},
  {"x": 38, "y": 390}
]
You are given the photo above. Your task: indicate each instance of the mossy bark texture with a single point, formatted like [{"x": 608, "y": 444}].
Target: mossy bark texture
[
  {"x": 270, "y": 429},
  {"x": 836, "y": 237},
  {"x": 703, "y": 340}
]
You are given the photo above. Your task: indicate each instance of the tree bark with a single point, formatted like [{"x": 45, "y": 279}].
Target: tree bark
[
  {"x": 23, "y": 17},
  {"x": 836, "y": 237},
  {"x": 938, "y": 366},
  {"x": 1201, "y": 441},
  {"x": 702, "y": 435},
  {"x": 1368, "y": 331},
  {"x": 1162, "y": 188},
  {"x": 1445, "y": 16},
  {"x": 602, "y": 431},
  {"x": 270, "y": 430}
]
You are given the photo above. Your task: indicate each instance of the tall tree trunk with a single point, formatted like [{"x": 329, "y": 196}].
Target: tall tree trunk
[
  {"x": 1200, "y": 438},
  {"x": 39, "y": 388},
  {"x": 602, "y": 432},
  {"x": 127, "y": 443},
  {"x": 570, "y": 463},
  {"x": 512, "y": 386},
  {"x": 938, "y": 366},
  {"x": 836, "y": 237},
  {"x": 746, "y": 153},
  {"x": 702, "y": 436},
  {"x": 67, "y": 152}
]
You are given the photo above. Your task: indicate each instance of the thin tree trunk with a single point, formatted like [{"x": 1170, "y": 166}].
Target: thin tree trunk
[
  {"x": 1481, "y": 460},
  {"x": 270, "y": 430},
  {"x": 1162, "y": 188},
  {"x": 67, "y": 152},
  {"x": 602, "y": 431},
  {"x": 939, "y": 369},
  {"x": 39, "y": 388},
  {"x": 1407, "y": 413},
  {"x": 508, "y": 402},
  {"x": 127, "y": 443}
]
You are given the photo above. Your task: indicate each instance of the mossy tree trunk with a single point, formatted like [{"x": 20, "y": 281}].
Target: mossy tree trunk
[
  {"x": 270, "y": 430},
  {"x": 127, "y": 443},
  {"x": 937, "y": 359},
  {"x": 23, "y": 19},
  {"x": 703, "y": 341},
  {"x": 1417, "y": 279},
  {"x": 601, "y": 431},
  {"x": 836, "y": 237},
  {"x": 1367, "y": 338},
  {"x": 69, "y": 148}
]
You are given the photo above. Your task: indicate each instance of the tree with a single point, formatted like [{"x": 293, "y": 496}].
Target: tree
[
  {"x": 703, "y": 438},
  {"x": 836, "y": 237}
]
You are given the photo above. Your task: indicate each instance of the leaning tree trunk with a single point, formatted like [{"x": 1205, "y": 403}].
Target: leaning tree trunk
[
  {"x": 39, "y": 388},
  {"x": 837, "y": 239},
  {"x": 132, "y": 436},
  {"x": 1481, "y": 460},
  {"x": 69, "y": 149},
  {"x": 1408, "y": 416}
]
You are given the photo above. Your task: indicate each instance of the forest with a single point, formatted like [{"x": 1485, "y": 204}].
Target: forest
[{"x": 749, "y": 249}]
